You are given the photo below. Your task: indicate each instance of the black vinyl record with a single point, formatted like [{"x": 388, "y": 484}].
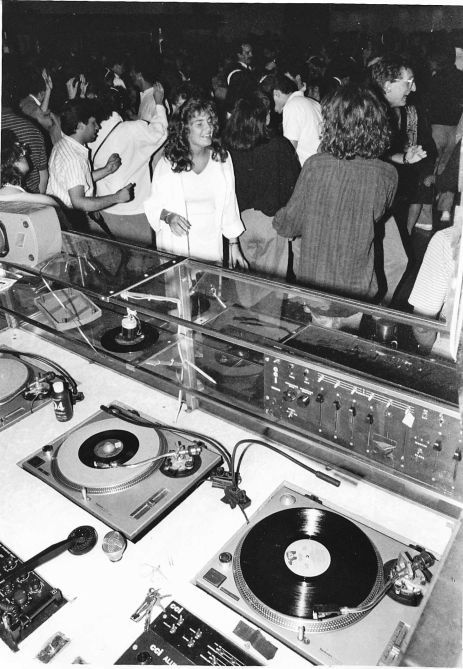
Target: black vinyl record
[
  {"x": 109, "y": 448},
  {"x": 113, "y": 341},
  {"x": 299, "y": 558}
]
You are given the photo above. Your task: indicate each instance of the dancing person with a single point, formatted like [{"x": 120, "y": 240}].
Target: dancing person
[
  {"x": 341, "y": 193},
  {"x": 266, "y": 170},
  {"x": 193, "y": 202}
]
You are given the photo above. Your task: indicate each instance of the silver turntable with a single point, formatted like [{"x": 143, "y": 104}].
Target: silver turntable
[{"x": 127, "y": 475}]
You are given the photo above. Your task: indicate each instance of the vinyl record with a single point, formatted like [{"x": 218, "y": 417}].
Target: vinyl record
[
  {"x": 300, "y": 558},
  {"x": 113, "y": 341},
  {"x": 14, "y": 375},
  {"x": 109, "y": 448},
  {"x": 92, "y": 456}
]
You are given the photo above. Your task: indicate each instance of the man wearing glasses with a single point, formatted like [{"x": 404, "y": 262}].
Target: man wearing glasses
[{"x": 413, "y": 152}]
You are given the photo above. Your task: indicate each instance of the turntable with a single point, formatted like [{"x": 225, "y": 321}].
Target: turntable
[
  {"x": 128, "y": 475},
  {"x": 22, "y": 389},
  {"x": 315, "y": 580}
]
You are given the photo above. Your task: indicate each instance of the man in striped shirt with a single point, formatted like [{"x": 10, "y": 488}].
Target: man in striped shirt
[
  {"x": 71, "y": 179},
  {"x": 27, "y": 134},
  {"x": 32, "y": 138}
]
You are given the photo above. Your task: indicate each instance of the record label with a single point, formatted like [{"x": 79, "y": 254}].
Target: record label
[{"x": 306, "y": 557}]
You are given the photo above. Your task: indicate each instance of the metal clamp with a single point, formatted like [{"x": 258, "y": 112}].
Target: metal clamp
[{"x": 144, "y": 610}]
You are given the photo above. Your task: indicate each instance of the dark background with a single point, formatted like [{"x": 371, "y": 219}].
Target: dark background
[{"x": 67, "y": 25}]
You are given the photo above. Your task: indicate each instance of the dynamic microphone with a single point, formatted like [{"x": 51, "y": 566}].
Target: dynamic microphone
[{"x": 80, "y": 541}]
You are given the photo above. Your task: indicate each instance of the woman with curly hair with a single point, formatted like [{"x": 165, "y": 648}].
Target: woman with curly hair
[
  {"x": 193, "y": 202},
  {"x": 15, "y": 166},
  {"x": 341, "y": 193}
]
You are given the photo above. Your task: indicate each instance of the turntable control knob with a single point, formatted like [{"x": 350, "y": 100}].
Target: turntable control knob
[
  {"x": 337, "y": 405},
  {"x": 320, "y": 399},
  {"x": 303, "y": 400},
  {"x": 457, "y": 455},
  {"x": 225, "y": 558},
  {"x": 289, "y": 395},
  {"x": 437, "y": 445},
  {"x": 370, "y": 418},
  {"x": 20, "y": 597},
  {"x": 287, "y": 499},
  {"x": 144, "y": 657},
  {"x": 34, "y": 585},
  {"x": 10, "y": 563},
  {"x": 47, "y": 451}
]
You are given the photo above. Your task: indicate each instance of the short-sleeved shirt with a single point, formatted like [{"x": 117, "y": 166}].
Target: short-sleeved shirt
[
  {"x": 302, "y": 120},
  {"x": 28, "y": 134},
  {"x": 69, "y": 166},
  {"x": 429, "y": 294}
]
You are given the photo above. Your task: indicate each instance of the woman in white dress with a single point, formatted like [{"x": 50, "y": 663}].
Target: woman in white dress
[{"x": 193, "y": 202}]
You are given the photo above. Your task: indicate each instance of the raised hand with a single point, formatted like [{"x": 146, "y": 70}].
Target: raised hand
[
  {"x": 158, "y": 93},
  {"x": 72, "y": 85}
]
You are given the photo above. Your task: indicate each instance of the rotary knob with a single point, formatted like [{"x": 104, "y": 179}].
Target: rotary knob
[
  {"x": 20, "y": 597},
  {"x": 303, "y": 400}
]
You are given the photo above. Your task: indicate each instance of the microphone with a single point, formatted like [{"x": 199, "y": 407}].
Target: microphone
[{"x": 80, "y": 541}]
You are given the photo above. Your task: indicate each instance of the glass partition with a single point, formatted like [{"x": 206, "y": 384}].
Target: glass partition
[{"x": 353, "y": 378}]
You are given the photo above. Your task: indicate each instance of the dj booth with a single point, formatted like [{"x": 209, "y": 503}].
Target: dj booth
[{"x": 282, "y": 466}]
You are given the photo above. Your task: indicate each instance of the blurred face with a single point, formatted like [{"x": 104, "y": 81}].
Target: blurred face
[
  {"x": 22, "y": 166},
  {"x": 90, "y": 130},
  {"x": 279, "y": 99},
  {"x": 245, "y": 56},
  {"x": 118, "y": 69},
  {"x": 458, "y": 58},
  {"x": 396, "y": 91},
  {"x": 200, "y": 130},
  {"x": 136, "y": 78}
]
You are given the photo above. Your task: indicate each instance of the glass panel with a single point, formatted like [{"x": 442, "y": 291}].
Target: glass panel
[{"x": 102, "y": 267}]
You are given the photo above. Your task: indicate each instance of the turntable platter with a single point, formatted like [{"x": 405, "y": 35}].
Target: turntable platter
[
  {"x": 13, "y": 377},
  {"x": 295, "y": 561},
  {"x": 99, "y": 456}
]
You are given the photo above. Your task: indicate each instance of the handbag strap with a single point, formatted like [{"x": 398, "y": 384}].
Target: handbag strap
[{"x": 109, "y": 133}]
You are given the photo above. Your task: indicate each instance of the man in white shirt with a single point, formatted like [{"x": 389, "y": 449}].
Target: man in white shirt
[
  {"x": 302, "y": 119},
  {"x": 301, "y": 116},
  {"x": 135, "y": 142},
  {"x": 71, "y": 179},
  {"x": 143, "y": 75}
]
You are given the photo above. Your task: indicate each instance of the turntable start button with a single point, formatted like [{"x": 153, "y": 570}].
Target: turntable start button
[{"x": 214, "y": 577}]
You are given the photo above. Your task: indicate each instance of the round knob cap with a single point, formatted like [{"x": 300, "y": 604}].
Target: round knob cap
[
  {"x": 144, "y": 658},
  {"x": 20, "y": 596}
]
